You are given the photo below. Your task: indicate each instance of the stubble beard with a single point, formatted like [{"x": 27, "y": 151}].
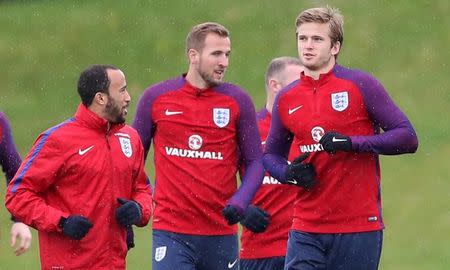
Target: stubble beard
[
  {"x": 208, "y": 78},
  {"x": 114, "y": 113}
]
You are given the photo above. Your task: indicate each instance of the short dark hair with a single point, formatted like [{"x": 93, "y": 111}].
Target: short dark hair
[{"x": 92, "y": 80}]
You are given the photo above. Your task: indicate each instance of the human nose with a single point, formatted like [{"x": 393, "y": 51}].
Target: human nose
[
  {"x": 127, "y": 97},
  {"x": 309, "y": 43},
  {"x": 224, "y": 60}
]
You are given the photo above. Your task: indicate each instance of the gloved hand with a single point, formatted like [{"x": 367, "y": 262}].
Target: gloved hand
[
  {"x": 333, "y": 141},
  {"x": 75, "y": 226},
  {"x": 299, "y": 174},
  {"x": 128, "y": 213},
  {"x": 130, "y": 237},
  {"x": 256, "y": 219},
  {"x": 232, "y": 215}
]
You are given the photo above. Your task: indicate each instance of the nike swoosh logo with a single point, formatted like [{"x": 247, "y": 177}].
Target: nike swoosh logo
[
  {"x": 338, "y": 140},
  {"x": 293, "y": 182},
  {"x": 172, "y": 112},
  {"x": 230, "y": 265},
  {"x": 82, "y": 152},
  {"x": 291, "y": 111}
]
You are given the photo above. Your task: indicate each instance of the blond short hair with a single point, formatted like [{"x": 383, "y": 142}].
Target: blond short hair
[{"x": 327, "y": 14}]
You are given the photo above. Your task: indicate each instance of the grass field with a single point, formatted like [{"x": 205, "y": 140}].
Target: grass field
[{"x": 44, "y": 45}]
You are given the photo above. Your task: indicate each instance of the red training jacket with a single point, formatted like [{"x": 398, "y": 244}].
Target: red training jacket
[{"x": 81, "y": 167}]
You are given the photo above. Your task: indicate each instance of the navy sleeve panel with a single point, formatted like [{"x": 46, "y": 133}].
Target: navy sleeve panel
[
  {"x": 143, "y": 122},
  {"x": 9, "y": 157},
  {"x": 399, "y": 135},
  {"x": 278, "y": 142},
  {"x": 249, "y": 142}
]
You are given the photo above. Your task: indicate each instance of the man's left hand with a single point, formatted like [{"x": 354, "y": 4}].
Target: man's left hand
[
  {"x": 22, "y": 231},
  {"x": 256, "y": 219},
  {"x": 333, "y": 141}
]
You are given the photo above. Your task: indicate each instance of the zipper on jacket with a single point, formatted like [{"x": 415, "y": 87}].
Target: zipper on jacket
[
  {"x": 315, "y": 99},
  {"x": 108, "y": 128}
]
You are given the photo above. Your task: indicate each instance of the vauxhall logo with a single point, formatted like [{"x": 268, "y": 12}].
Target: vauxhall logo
[
  {"x": 311, "y": 148},
  {"x": 195, "y": 142},
  {"x": 316, "y": 134}
]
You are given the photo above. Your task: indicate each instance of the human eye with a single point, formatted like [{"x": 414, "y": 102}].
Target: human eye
[{"x": 317, "y": 39}]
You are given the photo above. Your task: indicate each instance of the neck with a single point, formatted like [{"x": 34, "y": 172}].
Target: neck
[
  {"x": 98, "y": 111},
  {"x": 195, "y": 79},
  {"x": 271, "y": 93},
  {"x": 315, "y": 74},
  {"x": 269, "y": 107}
]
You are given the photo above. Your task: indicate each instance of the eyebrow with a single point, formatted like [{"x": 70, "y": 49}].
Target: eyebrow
[{"x": 221, "y": 51}]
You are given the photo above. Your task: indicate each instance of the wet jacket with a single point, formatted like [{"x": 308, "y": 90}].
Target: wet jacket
[
  {"x": 81, "y": 167},
  {"x": 347, "y": 197}
]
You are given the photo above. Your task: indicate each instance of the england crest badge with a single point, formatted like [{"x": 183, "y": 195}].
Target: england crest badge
[
  {"x": 125, "y": 144},
  {"x": 339, "y": 101},
  {"x": 160, "y": 253},
  {"x": 221, "y": 117}
]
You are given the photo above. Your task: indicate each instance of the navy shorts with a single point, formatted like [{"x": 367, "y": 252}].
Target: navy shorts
[
  {"x": 272, "y": 263},
  {"x": 175, "y": 251},
  {"x": 345, "y": 251}
]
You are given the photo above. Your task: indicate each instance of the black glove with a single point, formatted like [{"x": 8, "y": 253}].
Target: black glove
[
  {"x": 255, "y": 219},
  {"x": 231, "y": 214},
  {"x": 128, "y": 213},
  {"x": 333, "y": 141},
  {"x": 130, "y": 237},
  {"x": 299, "y": 174},
  {"x": 75, "y": 227}
]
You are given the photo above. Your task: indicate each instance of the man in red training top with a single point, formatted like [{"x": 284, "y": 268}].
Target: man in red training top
[
  {"x": 83, "y": 182},
  {"x": 201, "y": 127},
  {"x": 267, "y": 250},
  {"x": 336, "y": 115}
]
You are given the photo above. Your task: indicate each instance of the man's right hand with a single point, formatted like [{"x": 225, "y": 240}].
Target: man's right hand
[
  {"x": 75, "y": 226},
  {"x": 301, "y": 174},
  {"x": 232, "y": 214}
]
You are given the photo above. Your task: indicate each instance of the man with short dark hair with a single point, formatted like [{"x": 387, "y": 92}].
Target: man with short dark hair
[
  {"x": 10, "y": 162},
  {"x": 201, "y": 128},
  {"x": 83, "y": 182}
]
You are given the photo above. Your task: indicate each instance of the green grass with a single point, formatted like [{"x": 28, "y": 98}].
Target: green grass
[{"x": 44, "y": 45}]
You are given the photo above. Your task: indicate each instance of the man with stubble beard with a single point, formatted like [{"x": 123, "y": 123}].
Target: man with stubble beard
[
  {"x": 83, "y": 182},
  {"x": 201, "y": 129}
]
